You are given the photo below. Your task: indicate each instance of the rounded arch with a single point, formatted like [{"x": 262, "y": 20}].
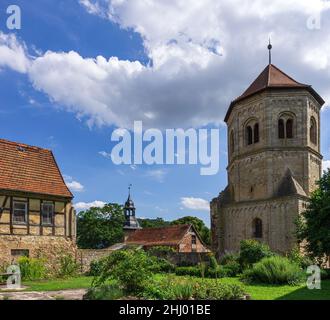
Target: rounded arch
[
  {"x": 286, "y": 125},
  {"x": 313, "y": 131},
  {"x": 257, "y": 227},
  {"x": 249, "y": 135},
  {"x": 252, "y": 131}
]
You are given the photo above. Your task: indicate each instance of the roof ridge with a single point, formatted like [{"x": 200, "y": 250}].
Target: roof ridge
[
  {"x": 168, "y": 227},
  {"x": 278, "y": 69},
  {"x": 24, "y": 145}
]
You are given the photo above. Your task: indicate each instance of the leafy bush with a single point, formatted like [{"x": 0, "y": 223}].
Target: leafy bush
[
  {"x": 131, "y": 268},
  {"x": 232, "y": 269},
  {"x": 213, "y": 263},
  {"x": 188, "y": 271},
  {"x": 325, "y": 274},
  {"x": 252, "y": 251},
  {"x": 229, "y": 258},
  {"x": 68, "y": 267},
  {"x": 215, "y": 290},
  {"x": 298, "y": 258},
  {"x": 203, "y": 267},
  {"x": 160, "y": 250},
  {"x": 32, "y": 269},
  {"x": 162, "y": 265},
  {"x": 171, "y": 288},
  {"x": 95, "y": 268},
  {"x": 106, "y": 292},
  {"x": 274, "y": 270}
]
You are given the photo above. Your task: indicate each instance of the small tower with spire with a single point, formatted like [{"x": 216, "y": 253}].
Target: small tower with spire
[{"x": 131, "y": 223}]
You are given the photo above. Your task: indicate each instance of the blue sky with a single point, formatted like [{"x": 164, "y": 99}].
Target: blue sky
[{"x": 180, "y": 74}]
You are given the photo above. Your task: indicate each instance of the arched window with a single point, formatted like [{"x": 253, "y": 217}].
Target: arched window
[
  {"x": 232, "y": 142},
  {"x": 281, "y": 131},
  {"x": 256, "y": 133},
  {"x": 313, "y": 131},
  {"x": 257, "y": 228},
  {"x": 249, "y": 136},
  {"x": 289, "y": 129}
]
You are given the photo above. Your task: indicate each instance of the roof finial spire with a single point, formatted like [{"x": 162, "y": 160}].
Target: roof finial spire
[
  {"x": 270, "y": 47},
  {"x": 129, "y": 190}
]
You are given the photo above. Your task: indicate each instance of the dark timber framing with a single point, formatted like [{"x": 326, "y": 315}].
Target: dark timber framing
[{"x": 18, "y": 196}]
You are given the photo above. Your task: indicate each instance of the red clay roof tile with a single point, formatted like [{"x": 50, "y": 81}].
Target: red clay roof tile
[
  {"x": 167, "y": 236},
  {"x": 273, "y": 78},
  {"x": 30, "y": 169}
]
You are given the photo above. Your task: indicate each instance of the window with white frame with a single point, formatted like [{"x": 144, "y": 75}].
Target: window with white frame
[
  {"x": 20, "y": 212},
  {"x": 47, "y": 213}
]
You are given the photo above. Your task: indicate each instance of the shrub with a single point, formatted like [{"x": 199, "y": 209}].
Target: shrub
[
  {"x": 213, "y": 263},
  {"x": 68, "y": 267},
  {"x": 215, "y": 290},
  {"x": 229, "y": 258},
  {"x": 131, "y": 268},
  {"x": 252, "y": 251},
  {"x": 298, "y": 258},
  {"x": 171, "y": 288},
  {"x": 95, "y": 268},
  {"x": 232, "y": 269},
  {"x": 32, "y": 269},
  {"x": 106, "y": 292},
  {"x": 162, "y": 265},
  {"x": 274, "y": 270},
  {"x": 325, "y": 274},
  {"x": 188, "y": 271},
  {"x": 160, "y": 250},
  {"x": 203, "y": 267}
]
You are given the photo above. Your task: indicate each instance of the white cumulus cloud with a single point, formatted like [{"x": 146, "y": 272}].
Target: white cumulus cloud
[
  {"x": 82, "y": 206},
  {"x": 72, "y": 184},
  {"x": 202, "y": 55},
  {"x": 197, "y": 204},
  {"x": 326, "y": 165}
]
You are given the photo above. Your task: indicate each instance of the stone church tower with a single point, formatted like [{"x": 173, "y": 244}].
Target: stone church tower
[{"x": 274, "y": 162}]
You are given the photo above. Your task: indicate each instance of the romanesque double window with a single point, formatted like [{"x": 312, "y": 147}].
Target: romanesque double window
[
  {"x": 286, "y": 127},
  {"x": 257, "y": 228},
  {"x": 252, "y": 135},
  {"x": 313, "y": 131}
]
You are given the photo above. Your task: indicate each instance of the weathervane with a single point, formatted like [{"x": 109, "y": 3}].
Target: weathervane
[
  {"x": 129, "y": 189},
  {"x": 270, "y": 47}
]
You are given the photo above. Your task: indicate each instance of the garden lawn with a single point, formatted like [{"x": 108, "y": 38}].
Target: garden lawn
[
  {"x": 257, "y": 292},
  {"x": 273, "y": 292},
  {"x": 59, "y": 284}
]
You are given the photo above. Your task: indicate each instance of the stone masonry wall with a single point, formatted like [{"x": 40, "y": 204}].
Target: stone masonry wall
[{"x": 47, "y": 247}]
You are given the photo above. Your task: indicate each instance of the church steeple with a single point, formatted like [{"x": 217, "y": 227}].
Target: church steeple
[{"x": 131, "y": 223}]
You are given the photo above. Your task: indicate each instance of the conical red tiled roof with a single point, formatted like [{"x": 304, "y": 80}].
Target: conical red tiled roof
[{"x": 273, "y": 78}]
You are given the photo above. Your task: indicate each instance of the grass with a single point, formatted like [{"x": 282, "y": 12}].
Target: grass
[
  {"x": 256, "y": 291},
  {"x": 286, "y": 292},
  {"x": 59, "y": 284}
]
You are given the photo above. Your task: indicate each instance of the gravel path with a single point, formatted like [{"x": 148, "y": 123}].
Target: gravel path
[{"x": 51, "y": 295}]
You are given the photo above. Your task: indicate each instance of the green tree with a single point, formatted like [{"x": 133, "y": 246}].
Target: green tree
[
  {"x": 199, "y": 225},
  {"x": 314, "y": 224},
  {"x": 99, "y": 228},
  {"x": 153, "y": 223}
]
